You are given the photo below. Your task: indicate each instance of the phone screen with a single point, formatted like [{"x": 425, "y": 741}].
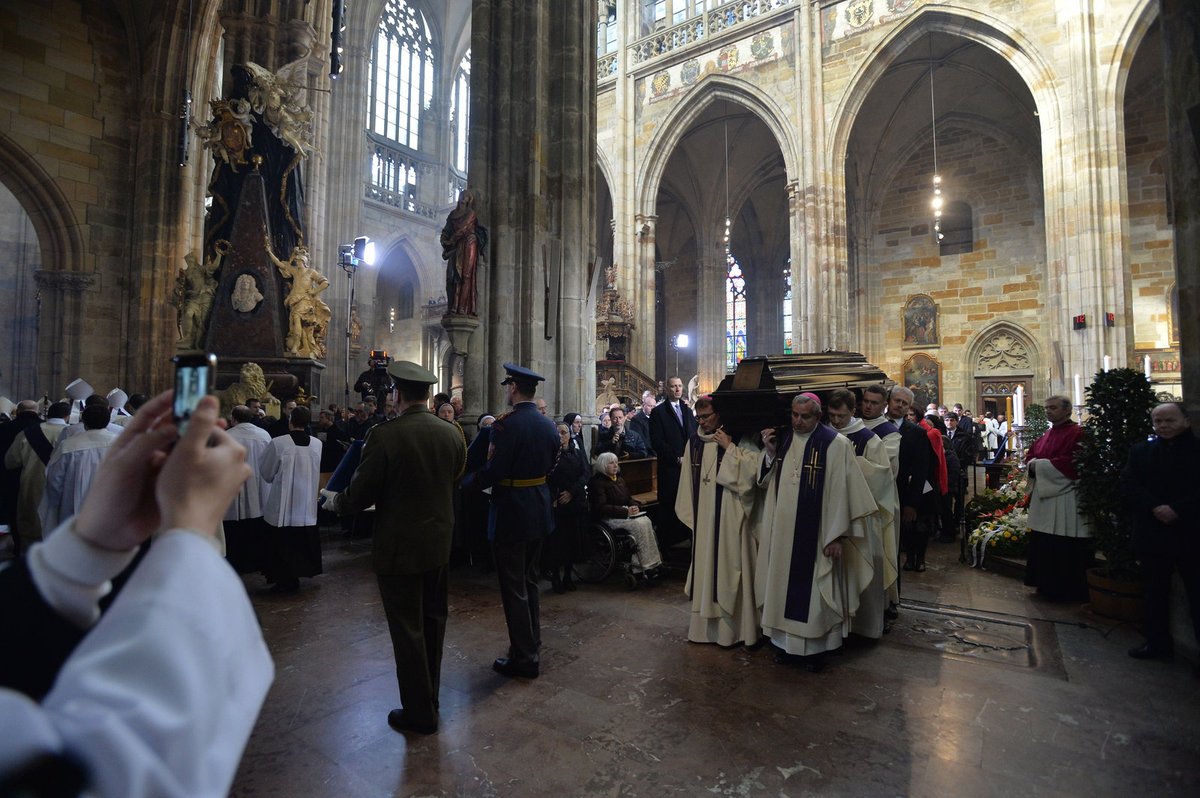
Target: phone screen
[{"x": 193, "y": 377}]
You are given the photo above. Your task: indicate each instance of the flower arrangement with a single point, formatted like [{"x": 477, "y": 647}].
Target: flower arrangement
[{"x": 1000, "y": 520}]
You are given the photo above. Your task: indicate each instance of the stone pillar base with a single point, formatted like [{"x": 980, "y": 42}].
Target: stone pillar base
[{"x": 460, "y": 330}]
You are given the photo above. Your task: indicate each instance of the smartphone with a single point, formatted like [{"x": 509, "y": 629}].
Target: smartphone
[{"x": 194, "y": 376}]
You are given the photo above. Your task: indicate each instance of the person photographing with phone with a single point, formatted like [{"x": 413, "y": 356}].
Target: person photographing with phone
[{"x": 158, "y": 696}]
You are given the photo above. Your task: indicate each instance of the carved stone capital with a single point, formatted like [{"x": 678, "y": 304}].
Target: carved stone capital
[{"x": 64, "y": 281}]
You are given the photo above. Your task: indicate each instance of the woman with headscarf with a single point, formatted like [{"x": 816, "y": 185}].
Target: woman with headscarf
[{"x": 574, "y": 423}]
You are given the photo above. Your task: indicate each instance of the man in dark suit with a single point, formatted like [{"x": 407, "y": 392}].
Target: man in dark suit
[
  {"x": 917, "y": 505},
  {"x": 639, "y": 422},
  {"x": 671, "y": 424},
  {"x": 524, "y": 449},
  {"x": 408, "y": 470},
  {"x": 1159, "y": 488},
  {"x": 966, "y": 447}
]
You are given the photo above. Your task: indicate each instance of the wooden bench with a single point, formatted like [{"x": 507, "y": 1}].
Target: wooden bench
[{"x": 641, "y": 477}]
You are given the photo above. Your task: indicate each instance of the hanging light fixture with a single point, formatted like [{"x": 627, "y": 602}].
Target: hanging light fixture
[
  {"x": 937, "y": 179},
  {"x": 728, "y": 218}
]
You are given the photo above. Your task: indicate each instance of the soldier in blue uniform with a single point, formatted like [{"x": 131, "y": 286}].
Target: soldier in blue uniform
[{"x": 524, "y": 449}]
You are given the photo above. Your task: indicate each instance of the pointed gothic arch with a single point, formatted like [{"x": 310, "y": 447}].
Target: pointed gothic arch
[{"x": 671, "y": 130}]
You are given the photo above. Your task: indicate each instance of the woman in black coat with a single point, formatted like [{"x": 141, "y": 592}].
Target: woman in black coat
[{"x": 568, "y": 486}]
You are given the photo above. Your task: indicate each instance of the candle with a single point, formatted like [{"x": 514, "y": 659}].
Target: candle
[
  {"x": 1146, "y": 366},
  {"x": 1078, "y": 393},
  {"x": 1019, "y": 407},
  {"x": 1107, "y": 363}
]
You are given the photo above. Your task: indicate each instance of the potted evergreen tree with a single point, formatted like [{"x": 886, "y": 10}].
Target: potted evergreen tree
[{"x": 1119, "y": 402}]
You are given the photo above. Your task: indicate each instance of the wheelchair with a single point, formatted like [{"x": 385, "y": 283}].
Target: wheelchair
[{"x": 605, "y": 549}]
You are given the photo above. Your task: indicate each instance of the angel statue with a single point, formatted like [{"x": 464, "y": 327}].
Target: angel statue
[{"x": 279, "y": 98}]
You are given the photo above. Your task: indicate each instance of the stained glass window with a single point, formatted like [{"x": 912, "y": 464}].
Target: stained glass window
[
  {"x": 787, "y": 309},
  {"x": 735, "y": 313},
  {"x": 460, "y": 112},
  {"x": 401, "y": 74}
]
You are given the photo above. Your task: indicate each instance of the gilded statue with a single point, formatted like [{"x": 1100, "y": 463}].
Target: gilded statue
[
  {"x": 230, "y": 133},
  {"x": 308, "y": 315},
  {"x": 279, "y": 98},
  {"x": 251, "y": 384},
  {"x": 199, "y": 288},
  {"x": 463, "y": 239}
]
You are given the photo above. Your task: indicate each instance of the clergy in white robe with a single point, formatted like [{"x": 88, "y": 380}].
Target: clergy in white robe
[
  {"x": 245, "y": 529},
  {"x": 881, "y": 549},
  {"x": 30, "y": 452},
  {"x": 72, "y": 467},
  {"x": 816, "y": 498},
  {"x": 718, "y": 498},
  {"x": 874, "y": 402},
  {"x": 292, "y": 464}
]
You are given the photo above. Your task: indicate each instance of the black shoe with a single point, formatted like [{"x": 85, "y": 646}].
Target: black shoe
[
  {"x": 569, "y": 584},
  {"x": 814, "y": 663},
  {"x": 920, "y": 567},
  {"x": 891, "y": 614},
  {"x": 400, "y": 721},
  {"x": 1147, "y": 651},
  {"x": 556, "y": 584},
  {"x": 908, "y": 565},
  {"x": 507, "y": 667}
]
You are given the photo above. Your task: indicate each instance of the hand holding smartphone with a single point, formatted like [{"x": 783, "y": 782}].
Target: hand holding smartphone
[{"x": 195, "y": 373}]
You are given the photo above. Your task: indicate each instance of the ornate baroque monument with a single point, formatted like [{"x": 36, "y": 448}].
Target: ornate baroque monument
[{"x": 251, "y": 295}]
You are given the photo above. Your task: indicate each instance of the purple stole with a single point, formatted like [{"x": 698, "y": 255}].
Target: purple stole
[
  {"x": 696, "y": 456},
  {"x": 808, "y": 519},
  {"x": 885, "y": 429},
  {"x": 860, "y": 440}
]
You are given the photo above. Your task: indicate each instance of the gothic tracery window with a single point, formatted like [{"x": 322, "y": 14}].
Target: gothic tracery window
[
  {"x": 460, "y": 112},
  {"x": 401, "y": 74},
  {"x": 787, "y": 309},
  {"x": 735, "y": 313}
]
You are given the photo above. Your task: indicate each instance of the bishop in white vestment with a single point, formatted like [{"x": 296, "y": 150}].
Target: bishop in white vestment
[
  {"x": 816, "y": 498},
  {"x": 718, "y": 498},
  {"x": 72, "y": 466}
]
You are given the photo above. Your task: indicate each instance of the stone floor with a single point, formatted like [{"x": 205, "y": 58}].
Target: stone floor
[{"x": 978, "y": 690}]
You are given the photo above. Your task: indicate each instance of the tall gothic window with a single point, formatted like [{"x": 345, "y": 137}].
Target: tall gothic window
[
  {"x": 787, "y": 308},
  {"x": 460, "y": 112},
  {"x": 735, "y": 314},
  {"x": 401, "y": 74}
]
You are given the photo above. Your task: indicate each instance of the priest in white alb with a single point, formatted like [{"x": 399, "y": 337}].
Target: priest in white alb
[
  {"x": 73, "y": 465},
  {"x": 245, "y": 529},
  {"x": 882, "y": 540},
  {"x": 816, "y": 499},
  {"x": 292, "y": 464},
  {"x": 717, "y": 499}
]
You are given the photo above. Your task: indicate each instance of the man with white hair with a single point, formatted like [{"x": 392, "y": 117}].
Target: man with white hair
[
  {"x": 816, "y": 499},
  {"x": 639, "y": 422}
]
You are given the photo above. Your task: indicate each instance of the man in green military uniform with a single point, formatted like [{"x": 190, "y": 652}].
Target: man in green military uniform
[{"x": 408, "y": 471}]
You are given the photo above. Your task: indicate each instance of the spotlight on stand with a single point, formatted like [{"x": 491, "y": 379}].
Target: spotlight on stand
[
  {"x": 350, "y": 257},
  {"x": 678, "y": 342}
]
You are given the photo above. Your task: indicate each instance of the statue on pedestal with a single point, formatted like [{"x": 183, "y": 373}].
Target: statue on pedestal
[
  {"x": 251, "y": 384},
  {"x": 196, "y": 288},
  {"x": 308, "y": 315},
  {"x": 463, "y": 239}
]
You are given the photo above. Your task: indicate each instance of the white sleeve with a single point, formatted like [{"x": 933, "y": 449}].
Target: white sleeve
[
  {"x": 73, "y": 575},
  {"x": 160, "y": 698}
]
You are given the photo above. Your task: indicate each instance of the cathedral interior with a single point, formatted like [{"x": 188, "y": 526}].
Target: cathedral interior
[{"x": 977, "y": 195}]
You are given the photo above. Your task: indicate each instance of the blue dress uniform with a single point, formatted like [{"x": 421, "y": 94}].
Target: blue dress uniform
[{"x": 524, "y": 449}]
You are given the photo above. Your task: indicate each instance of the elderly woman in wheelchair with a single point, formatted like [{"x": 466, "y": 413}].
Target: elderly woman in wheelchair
[{"x": 612, "y": 504}]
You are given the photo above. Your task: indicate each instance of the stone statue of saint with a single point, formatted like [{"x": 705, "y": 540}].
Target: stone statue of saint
[
  {"x": 308, "y": 315},
  {"x": 199, "y": 289},
  {"x": 463, "y": 239}
]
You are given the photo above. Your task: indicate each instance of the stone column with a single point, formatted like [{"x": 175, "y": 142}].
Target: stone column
[
  {"x": 533, "y": 101},
  {"x": 708, "y": 348},
  {"x": 637, "y": 281},
  {"x": 1181, "y": 68}
]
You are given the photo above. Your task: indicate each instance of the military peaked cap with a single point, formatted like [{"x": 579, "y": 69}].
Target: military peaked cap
[
  {"x": 407, "y": 371},
  {"x": 519, "y": 374}
]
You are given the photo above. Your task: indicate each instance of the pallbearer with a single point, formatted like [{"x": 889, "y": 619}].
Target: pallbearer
[
  {"x": 816, "y": 498},
  {"x": 717, "y": 500}
]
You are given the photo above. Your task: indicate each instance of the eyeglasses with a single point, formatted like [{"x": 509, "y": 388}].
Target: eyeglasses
[{"x": 704, "y": 417}]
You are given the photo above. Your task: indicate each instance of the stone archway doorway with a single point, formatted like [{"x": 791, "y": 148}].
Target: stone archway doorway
[
  {"x": 995, "y": 394},
  {"x": 1003, "y": 358}
]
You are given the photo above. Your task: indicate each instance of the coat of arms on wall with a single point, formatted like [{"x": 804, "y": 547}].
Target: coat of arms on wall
[{"x": 920, "y": 323}]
